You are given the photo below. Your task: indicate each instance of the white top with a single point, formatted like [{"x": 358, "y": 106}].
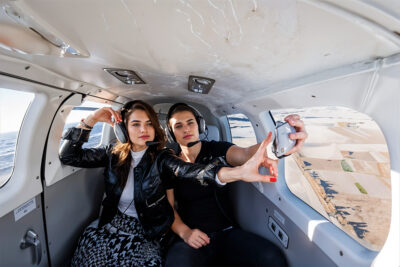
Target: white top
[{"x": 126, "y": 204}]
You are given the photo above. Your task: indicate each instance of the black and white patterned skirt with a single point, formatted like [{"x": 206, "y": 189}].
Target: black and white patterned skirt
[{"x": 108, "y": 246}]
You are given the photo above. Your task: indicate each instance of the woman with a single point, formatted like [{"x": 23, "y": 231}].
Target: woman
[
  {"x": 136, "y": 213},
  {"x": 202, "y": 224}
]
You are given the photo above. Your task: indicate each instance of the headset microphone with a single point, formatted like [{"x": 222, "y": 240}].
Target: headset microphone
[
  {"x": 190, "y": 144},
  {"x": 151, "y": 143}
]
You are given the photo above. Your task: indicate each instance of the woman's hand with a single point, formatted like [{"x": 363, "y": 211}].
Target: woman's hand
[
  {"x": 300, "y": 136},
  {"x": 104, "y": 115},
  {"x": 195, "y": 238},
  {"x": 260, "y": 158},
  {"x": 248, "y": 172}
]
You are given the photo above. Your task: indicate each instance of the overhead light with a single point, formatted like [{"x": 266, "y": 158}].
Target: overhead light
[
  {"x": 125, "y": 76},
  {"x": 200, "y": 85}
]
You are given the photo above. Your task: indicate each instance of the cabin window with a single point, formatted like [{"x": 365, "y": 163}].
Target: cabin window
[
  {"x": 13, "y": 106},
  {"x": 82, "y": 111},
  {"x": 343, "y": 172},
  {"x": 242, "y": 130}
]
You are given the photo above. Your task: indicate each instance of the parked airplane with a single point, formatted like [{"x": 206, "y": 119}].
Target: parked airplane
[{"x": 234, "y": 61}]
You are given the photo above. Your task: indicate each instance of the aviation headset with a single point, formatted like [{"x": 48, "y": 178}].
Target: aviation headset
[
  {"x": 119, "y": 128},
  {"x": 199, "y": 118}
]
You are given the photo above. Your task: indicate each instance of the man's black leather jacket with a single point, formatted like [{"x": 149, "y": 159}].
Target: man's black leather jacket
[{"x": 152, "y": 206}]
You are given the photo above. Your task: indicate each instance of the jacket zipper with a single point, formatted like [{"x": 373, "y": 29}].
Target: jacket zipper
[{"x": 155, "y": 203}]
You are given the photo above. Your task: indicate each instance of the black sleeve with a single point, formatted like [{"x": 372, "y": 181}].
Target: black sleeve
[
  {"x": 169, "y": 182},
  {"x": 72, "y": 153},
  {"x": 219, "y": 148},
  {"x": 176, "y": 168}
]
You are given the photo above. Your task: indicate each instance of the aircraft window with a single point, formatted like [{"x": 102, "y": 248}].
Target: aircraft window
[
  {"x": 13, "y": 106},
  {"x": 343, "y": 172},
  {"x": 241, "y": 130},
  {"x": 82, "y": 111}
]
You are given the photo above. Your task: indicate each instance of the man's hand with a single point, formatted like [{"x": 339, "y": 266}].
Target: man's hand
[
  {"x": 195, "y": 238},
  {"x": 300, "y": 136}
]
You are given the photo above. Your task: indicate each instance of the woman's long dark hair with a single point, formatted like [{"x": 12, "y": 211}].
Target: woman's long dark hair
[{"x": 122, "y": 150}]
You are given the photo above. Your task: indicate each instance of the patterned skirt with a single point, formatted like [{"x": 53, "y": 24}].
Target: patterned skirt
[{"x": 108, "y": 246}]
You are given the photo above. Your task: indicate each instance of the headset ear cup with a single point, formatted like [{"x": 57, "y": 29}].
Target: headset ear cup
[
  {"x": 170, "y": 134},
  {"x": 202, "y": 124},
  {"x": 121, "y": 132}
]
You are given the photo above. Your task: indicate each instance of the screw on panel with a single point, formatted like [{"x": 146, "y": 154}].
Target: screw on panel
[
  {"x": 313, "y": 96},
  {"x": 341, "y": 253},
  {"x": 266, "y": 210},
  {"x": 279, "y": 198},
  {"x": 37, "y": 177},
  {"x": 256, "y": 124},
  {"x": 62, "y": 111},
  {"x": 27, "y": 67},
  {"x": 49, "y": 162}
]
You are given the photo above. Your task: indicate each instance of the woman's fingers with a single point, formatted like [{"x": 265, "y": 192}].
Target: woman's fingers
[
  {"x": 105, "y": 114},
  {"x": 261, "y": 152},
  {"x": 272, "y": 166},
  {"x": 117, "y": 115},
  {"x": 263, "y": 178},
  {"x": 260, "y": 158}
]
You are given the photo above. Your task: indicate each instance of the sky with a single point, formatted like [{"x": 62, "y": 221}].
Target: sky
[{"x": 13, "y": 105}]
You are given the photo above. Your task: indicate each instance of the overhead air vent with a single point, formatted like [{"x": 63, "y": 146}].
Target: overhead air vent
[
  {"x": 126, "y": 76},
  {"x": 200, "y": 85}
]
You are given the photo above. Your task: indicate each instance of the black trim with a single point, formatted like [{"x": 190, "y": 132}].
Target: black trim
[
  {"x": 53, "y": 86},
  {"x": 272, "y": 117},
  {"x": 43, "y": 179}
]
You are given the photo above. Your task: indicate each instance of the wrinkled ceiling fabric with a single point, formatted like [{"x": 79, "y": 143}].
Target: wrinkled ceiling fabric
[{"x": 246, "y": 46}]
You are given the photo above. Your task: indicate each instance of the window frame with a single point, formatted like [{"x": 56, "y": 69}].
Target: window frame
[{"x": 232, "y": 135}]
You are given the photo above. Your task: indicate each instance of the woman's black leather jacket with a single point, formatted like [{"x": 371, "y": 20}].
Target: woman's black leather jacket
[{"x": 152, "y": 206}]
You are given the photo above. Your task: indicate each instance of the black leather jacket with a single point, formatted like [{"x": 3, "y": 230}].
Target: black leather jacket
[{"x": 152, "y": 206}]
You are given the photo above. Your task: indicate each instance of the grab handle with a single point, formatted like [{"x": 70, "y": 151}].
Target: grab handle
[{"x": 31, "y": 239}]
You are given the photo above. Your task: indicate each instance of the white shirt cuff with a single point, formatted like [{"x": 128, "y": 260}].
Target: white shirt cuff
[{"x": 218, "y": 181}]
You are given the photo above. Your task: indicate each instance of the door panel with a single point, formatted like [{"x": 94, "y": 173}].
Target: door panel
[
  {"x": 12, "y": 233},
  {"x": 253, "y": 210},
  {"x": 71, "y": 204}
]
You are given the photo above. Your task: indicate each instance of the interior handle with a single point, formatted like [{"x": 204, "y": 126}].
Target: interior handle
[{"x": 31, "y": 239}]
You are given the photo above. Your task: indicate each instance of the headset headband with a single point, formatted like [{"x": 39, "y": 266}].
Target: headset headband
[{"x": 127, "y": 107}]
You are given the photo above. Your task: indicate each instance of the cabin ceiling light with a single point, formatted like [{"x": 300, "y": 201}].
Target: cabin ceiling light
[
  {"x": 126, "y": 76},
  {"x": 200, "y": 85},
  {"x": 47, "y": 43}
]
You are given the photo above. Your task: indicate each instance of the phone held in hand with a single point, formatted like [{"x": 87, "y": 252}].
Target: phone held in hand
[{"x": 282, "y": 142}]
